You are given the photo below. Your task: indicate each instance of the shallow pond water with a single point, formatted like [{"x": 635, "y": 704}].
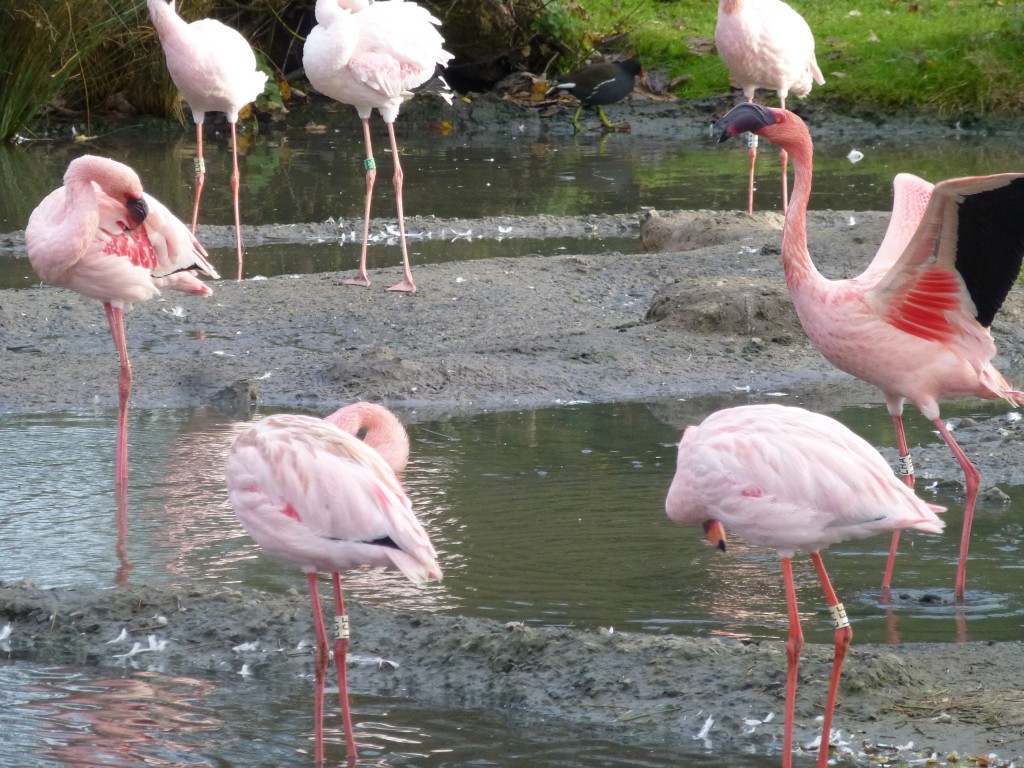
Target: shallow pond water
[
  {"x": 306, "y": 177},
  {"x": 89, "y": 718},
  {"x": 553, "y": 516}
]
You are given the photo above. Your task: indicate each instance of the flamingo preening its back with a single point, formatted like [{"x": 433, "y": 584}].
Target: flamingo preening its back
[
  {"x": 916, "y": 322},
  {"x": 100, "y": 235},
  {"x": 311, "y": 492}
]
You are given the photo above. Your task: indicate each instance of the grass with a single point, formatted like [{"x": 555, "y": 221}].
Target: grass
[{"x": 948, "y": 58}]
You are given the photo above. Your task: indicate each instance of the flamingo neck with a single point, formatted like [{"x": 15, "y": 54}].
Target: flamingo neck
[
  {"x": 730, "y": 6},
  {"x": 796, "y": 260}
]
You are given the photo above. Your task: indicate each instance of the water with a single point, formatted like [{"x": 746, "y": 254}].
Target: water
[
  {"x": 306, "y": 177},
  {"x": 94, "y": 719},
  {"x": 551, "y": 517}
]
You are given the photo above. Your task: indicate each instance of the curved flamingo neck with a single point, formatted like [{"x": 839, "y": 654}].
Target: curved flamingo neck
[
  {"x": 796, "y": 259},
  {"x": 378, "y": 428}
]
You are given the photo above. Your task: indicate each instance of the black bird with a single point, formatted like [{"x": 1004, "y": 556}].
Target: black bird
[{"x": 600, "y": 84}]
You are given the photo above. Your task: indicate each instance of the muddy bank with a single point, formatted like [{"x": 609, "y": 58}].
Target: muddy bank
[
  {"x": 638, "y": 688},
  {"x": 707, "y": 317}
]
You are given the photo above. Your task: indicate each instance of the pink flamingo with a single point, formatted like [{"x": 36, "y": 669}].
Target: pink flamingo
[
  {"x": 796, "y": 481},
  {"x": 215, "y": 70},
  {"x": 310, "y": 492},
  {"x": 916, "y": 322},
  {"x": 102, "y": 236},
  {"x": 766, "y": 44},
  {"x": 373, "y": 56}
]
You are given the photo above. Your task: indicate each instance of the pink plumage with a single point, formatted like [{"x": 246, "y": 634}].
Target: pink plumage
[
  {"x": 215, "y": 69},
  {"x": 795, "y": 481},
  {"x": 312, "y": 493},
  {"x": 372, "y": 56},
  {"x": 102, "y": 236},
  {"x": 916, "y": 322},
  {"x": 766, "y": 44}
]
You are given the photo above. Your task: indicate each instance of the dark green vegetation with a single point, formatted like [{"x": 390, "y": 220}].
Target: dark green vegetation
[{"x": 947, "y": 58}]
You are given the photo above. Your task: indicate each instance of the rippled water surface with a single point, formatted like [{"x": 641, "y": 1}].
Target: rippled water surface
[{"x": 553, "y": 516}]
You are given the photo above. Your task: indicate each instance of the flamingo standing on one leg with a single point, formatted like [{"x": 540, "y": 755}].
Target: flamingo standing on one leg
[
  {"x": 799, "y": 482},
  {"x": 215, "y": 70},
  {"x": 766, "y": 44},
  {"x": 102, "y": 236},
  {"x": 310, "y": 492},
  {"x": 916, "y": 322},
  {"x": 374, "y": 55}
]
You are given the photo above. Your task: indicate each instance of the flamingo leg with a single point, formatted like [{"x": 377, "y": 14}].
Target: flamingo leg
[
  {"x": 842, "y": 641},
  {"x": 115, "y": 318},
  {"x": 341, "y": 641},
  {"x": 973, "y": 481},
  {"x": 907, "y": 474},
  {"x": 371, "y": 174},
  {"x": 124, "y": 565},
  {"x": 200, "y": 166},
  {"x": 319, "y": 669},
  {"x": 752, "y": 154},
  {"x": 407, "y": 284},
  {"x": 236, "y": 178},
  {"x": 793, "y": 645}
]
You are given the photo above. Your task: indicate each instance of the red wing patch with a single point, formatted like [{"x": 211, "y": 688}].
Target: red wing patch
[
  {"x": 921, "y": 309},
  {"x": 133, "y": 244},
  {"x": 290, "y": 511}
]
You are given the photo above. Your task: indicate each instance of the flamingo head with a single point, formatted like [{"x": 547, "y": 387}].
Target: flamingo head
[
  {"x": 137, "y": 210},
  {"x": 715, "y": 533},
  {"x": 753, "y": 118}
]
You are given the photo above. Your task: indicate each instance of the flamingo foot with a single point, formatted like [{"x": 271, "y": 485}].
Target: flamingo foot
[
  {"x": 408, "y": 286},
  {"x": 362, "y": 280}
]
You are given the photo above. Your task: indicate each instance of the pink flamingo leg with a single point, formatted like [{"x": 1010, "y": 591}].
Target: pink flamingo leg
[
  {"x": 116, "y": 320},
  {"x": 200, "y": 166},
  {"x": 973, "y": 480},
  {"x": 844, "y": 634},
  {"x": 907, "y": 474},
  {"x": 340, "y": 661},
  {"x": 319, "y": 669},
  {"x": 124, "y": 565},
  {"x": 235, "y": 183},
  {"x": 371, "y": 174},
  {"x": 407, "y": 284},
  {"x": 793, "y": 646}
]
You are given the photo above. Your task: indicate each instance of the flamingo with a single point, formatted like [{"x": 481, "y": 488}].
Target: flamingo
[
  {"x": 373, "y": 56},
  {"x": 766, "y": 44},
  {"x": 215, "y": 69},
  {"x": 916, "y": 322},
  {"x": 606, "y": 82},
  {"x": 102, "y": 236},
  {"x": 796, "y": 481},
  {"x": 312, "y": 493}
]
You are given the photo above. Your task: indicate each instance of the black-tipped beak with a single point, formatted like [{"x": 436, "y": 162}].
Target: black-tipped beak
[
  {"x": 137, "y": 211},
  {"x": 715, "y": 532},
  {"x": 743, "y": 118}
]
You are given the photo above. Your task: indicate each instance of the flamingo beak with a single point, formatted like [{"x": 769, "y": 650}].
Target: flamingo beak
[
  {"x": 715, "y": 532},
  {"x": 137, "y": 211},
  {"x": 743, "y": 118}
]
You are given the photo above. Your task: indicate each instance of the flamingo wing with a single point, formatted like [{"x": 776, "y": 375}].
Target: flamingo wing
[
  {"x": 789, "y": 479},
  {"x": 174, "y": 246},
  {"x": 959, "y": 265},
  {"x": 313, "y": 494},
  {"x": 910, "y": 199}
]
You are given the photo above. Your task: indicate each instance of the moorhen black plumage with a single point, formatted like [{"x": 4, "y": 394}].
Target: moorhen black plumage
[{"x": 598, "y": 84}]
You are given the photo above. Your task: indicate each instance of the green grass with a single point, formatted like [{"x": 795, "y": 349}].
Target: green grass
[{"x": 938, "y": 57}]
